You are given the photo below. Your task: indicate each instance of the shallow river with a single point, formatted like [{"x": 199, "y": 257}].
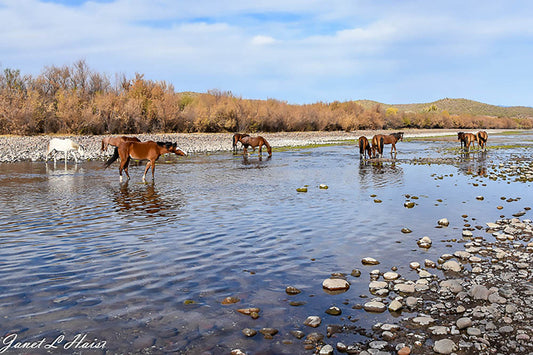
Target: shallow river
[{"x": 133, "y": 266}]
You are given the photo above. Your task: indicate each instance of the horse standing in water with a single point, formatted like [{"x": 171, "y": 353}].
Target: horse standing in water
[
  {"x": 66, "y": 146},
  {"x": 466, "y": 139},
  {"x": 254, "y": 142},
  {"x": 236, "y": 138},
  {"x": 482, "y": 137},
  {"x": 115, "y": 141},
  {"x": 392, "y": 138},
  {"x": 377, "y": 145},
  {"x": 364, "y": 148},
  {"x": 142, "y": 150}
]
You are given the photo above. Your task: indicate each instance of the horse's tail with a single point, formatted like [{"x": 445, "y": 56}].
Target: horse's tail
[
  {"x": 269, "y": 149},
  {"x": 104, "y": 146},
  {"x": 381, "y": 145},
  {"x": 481, "y": 137},
  {"x": 112, "y": 159},
  {"x": 361, "y": 146}
]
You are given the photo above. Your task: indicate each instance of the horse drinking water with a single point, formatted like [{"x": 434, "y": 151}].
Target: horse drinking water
[
  {"x": 482, "y": 137},
  {"x": 254, "y": 142},
  {"x": 142, "y": 150},
  {"x": 57, "y": 145},
  {"x": 364, "y": 148},
  {"x": 466, "y": 139}
]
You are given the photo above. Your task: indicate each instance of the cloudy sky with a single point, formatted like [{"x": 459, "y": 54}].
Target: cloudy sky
[{"x": 300, "y": 51}]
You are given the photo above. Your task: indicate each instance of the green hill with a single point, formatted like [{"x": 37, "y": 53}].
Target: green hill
[{"x": 457, "y": 107}]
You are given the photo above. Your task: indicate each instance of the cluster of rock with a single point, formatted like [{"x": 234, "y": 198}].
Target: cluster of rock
[{"x": 482, "y": 303}]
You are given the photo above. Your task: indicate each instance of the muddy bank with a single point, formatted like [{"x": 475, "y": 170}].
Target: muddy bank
[{"x": 17, "y": 148}]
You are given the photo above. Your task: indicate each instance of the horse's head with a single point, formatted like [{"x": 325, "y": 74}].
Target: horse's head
[
  {"x": 176, "y": 150},
  {"x": 81, "y": 150},
  {"x": 460, "y": 135},
  {"x": 400, "y": 136}
]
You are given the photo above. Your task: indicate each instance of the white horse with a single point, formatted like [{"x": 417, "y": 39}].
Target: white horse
[{"x": 64, "y": 145}]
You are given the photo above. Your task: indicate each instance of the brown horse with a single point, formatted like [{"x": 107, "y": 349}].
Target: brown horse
[
  {"x": 392, "y": 138},
  {"x": 482, "y": 137},
  {"x": 466, "y": 139},
  {"x": 142, "y": 150},
  {"x": 364, "y": 148},
  {"x": 236, "y": 138},
  {"x": 115, "y": 141},
  {"x": 254, "y": 142},
  {"x": 377, "y": 145}
]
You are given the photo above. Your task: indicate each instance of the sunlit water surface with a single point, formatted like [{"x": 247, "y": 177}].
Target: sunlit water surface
[{"x": 148, "y": 265}]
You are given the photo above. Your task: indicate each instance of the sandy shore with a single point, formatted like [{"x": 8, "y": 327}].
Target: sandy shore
[{"x": 33, "y": 148}]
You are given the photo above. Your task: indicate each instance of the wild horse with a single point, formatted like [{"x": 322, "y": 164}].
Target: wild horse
[
  {"x": 65, "y": 146},
  {"x": 466, "y": 139},
  {"x": 254, "y": 142},
  {"x": 142, "y": 150},
  {"x": 364, "y": 148},
  {"x": 482, "y": 138},
  {"x": 236, "y": 139},
  {"x": 379, "y": 140}
]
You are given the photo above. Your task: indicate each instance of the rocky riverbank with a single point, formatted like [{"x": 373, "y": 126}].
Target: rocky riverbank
[
  {"x": 481, "y": 304},
  {"x": 33, "y": 148}
]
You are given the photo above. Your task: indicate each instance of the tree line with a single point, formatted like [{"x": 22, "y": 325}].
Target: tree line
[{"x": 73, "y": 99}]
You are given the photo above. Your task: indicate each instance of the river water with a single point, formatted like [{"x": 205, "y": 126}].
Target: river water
[{"x": 131, "y": 266}]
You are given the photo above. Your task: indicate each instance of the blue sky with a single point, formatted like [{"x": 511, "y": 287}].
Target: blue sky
[{"x": 299, "y": 51}]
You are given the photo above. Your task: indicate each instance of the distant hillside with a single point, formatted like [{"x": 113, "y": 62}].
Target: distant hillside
[{"x": 458, "y": 107}]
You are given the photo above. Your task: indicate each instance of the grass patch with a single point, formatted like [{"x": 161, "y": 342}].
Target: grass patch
[{"x": 313, "y": 145}]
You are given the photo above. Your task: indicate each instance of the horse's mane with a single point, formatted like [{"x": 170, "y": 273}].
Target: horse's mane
[
  {"x": 398, "y": 135},
  {"x": 165, "y": 144}
]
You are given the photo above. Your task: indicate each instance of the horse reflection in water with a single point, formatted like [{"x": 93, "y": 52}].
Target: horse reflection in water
[
  {"x": 143, "y": 199},
  {"x": 474, "y": 163},
  {"x": 380, "y": 173}
]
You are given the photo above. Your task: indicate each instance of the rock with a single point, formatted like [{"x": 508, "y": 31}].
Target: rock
[
  {"x": 404, "y": 288},
  {"x": 451, "y": 265},
  {"x": 377, "y": 285},
  {"x": 335, "y": 284},
  {"x": 334, "y": 311},
  {"x": 237, "y": 352},
  {"x": 414, "y": 265},
  {"x": 395, "y": 306},
  {"x": 249, "y": 332},
  {"x": 406, "y": 230},
  {"x": 467, "y": 234},
  {"x": 375, "y": 306},
  {"x": 356, "y": 273},
  {"x": 404, "y": 351},
  {"x": 444, "y": 346},
  {"x": 313, "y": 321},
  {"x": 369, "y": 261},
  {"x": 323, "y": 186},
  {"x": 230, "y": 300},
  {"x": 326, "y": 350},
  {"x": 451, "y": 285},
  {"x": 443, "y": 222},
  {"x": 292, "y": 290},
  {"x": 463, "y": 323},
  {"x": 424, "y": 242},
  {"x": 268, "y": 332},
  {"x": 439, "y": 330},
  {"x": 423, "y": 320},
  {"x": 390, "y": 275},
  {"x": 298, "y": 334},
  {"x": 478, "y": 292}
]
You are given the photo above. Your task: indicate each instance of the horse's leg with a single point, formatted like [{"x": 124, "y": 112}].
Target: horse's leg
[
  {"x": 244, "y": 150},
  {"x": 260, "y": 149},
  {"x": 146, "y": 170}
]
